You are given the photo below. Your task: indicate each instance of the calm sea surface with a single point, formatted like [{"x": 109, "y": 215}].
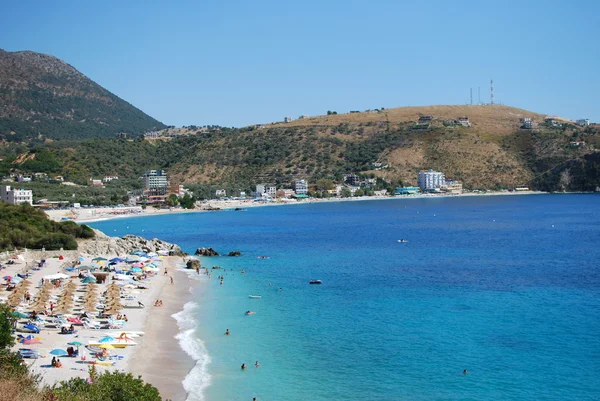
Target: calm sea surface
[{"x": 507, "y": 287}]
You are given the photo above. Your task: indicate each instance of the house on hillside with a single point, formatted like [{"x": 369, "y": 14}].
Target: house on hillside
[
  {"x": 220, "y": 193},
  {"x": 287, "y": 119},
  {"x": 15, "y": 196},
  {"x": 526, "y": 123},
  {"x": 584, "y": 122},
  {"x": 95, "y": 183},
  {"x": 464, "y": 121},
  {"x": 301, "y": 187},
  {"x": 109, "y": 178}
]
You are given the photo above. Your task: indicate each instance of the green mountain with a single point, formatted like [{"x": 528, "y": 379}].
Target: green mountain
[{"x": 42, "y": 97}]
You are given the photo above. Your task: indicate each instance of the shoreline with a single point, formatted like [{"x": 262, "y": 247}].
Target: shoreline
[
  {"x": 159, "y": 359},
  {"x": 104, "y": 214}
]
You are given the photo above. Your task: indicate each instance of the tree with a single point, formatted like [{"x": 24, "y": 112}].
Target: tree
[
  {"x": 172, "y": 200},
  {"x": 6, "y": 320},
  {"x": 187, "y": 202},
  {"x": 359, "y": 192},
  {"x": 346, "y": 193},
  {"x": 325, "y": 184}
]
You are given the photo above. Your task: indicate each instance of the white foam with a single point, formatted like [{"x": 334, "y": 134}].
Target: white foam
[{"x": 198, "y": 378}]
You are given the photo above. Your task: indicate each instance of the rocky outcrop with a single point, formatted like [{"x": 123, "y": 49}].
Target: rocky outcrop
[
  {"x": 102, "y": 244},
  {"x": 206, "y": 252},
  {"x": 235, "y": 253},
  {"x": 193, "y": 264}
]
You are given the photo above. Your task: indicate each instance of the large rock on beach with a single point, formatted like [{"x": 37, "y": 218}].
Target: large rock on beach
[
  {"x": 193, "y": 264},
  {"x": 235, "y": 253},
  {"x": 102, "y": 244},
  {"x": 206, "y": 252}
]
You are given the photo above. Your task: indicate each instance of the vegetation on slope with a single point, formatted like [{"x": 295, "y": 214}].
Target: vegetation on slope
[
  {"x": 23, "y": 226},
  {"x": 43, "y": 97},
  {"x": 492, "y": 154}
]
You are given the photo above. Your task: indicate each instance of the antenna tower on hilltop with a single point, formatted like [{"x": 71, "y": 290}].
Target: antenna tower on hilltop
[
  {"x": 471, "y": 96},
  {"x": 491, "y": 91},
  {"x": 479, "y": 95}
]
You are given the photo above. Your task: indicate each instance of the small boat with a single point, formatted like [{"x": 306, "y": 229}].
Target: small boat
[
  {"x": 402, "y": 240},
  {"x": 315, "y": 282},
  {"x": 254, "y": 296}
]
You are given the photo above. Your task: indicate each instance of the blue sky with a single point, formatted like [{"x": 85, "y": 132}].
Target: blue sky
[{"x": 235, "y": 63}]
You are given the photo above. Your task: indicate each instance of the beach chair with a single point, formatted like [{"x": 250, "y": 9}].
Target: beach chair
[{"x": 92, "y": 326}]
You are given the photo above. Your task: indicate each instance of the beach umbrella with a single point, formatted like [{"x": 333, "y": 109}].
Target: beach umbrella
[
  {"x": 14, "y": 302},
  {"x": 59, "y": 352},
  {"x": 88, "y": 279},
  {"x": 98, "y": 259},
  {"x": 48, "y": 285},
  {"x": 106, "y": 339},
  {"x": 136, "y": 270},
  {"x": 116, "y": 260},
  {"x": 75, "y": 343},
  {"x": 86, "y": 267},
  {"x": 38, "y": 307},
  {"x": 81, "y": 258},
  {"x": 19, "y": 315},
  {"x": 144, "y": 259},
  {"x": 132, "y": 258},
  {"x": 26, "y": 283}
]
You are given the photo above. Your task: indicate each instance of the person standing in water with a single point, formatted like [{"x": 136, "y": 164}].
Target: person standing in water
[{"x": 227, "y": 332}]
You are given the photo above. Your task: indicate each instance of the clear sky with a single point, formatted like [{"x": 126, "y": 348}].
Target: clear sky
[{"x": 235, "y": 63}]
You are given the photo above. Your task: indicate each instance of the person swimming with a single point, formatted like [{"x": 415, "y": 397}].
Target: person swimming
[
  {"x": 227, "y": 332},
  {"x": 243, "y": 366},
  {"x": 257, "y": 364},
  {"x": 465, "y": 372}
]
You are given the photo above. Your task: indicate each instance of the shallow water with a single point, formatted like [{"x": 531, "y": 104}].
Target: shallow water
[{"x": 505, "y": 287}]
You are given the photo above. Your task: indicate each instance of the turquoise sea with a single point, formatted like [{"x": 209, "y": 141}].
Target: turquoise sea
[{"x": 507, "y": 287}]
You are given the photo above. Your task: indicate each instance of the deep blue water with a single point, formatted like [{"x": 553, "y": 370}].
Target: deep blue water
[{"x": 506, "y": 287}]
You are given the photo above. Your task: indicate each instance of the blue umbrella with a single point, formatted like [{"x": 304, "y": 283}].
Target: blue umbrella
[
  {"x": 136, "y": 270},
  {"x": 59, "y": 352},
  {"x": 116, "y": 260},
  {"x": 106, "y": 339},
  {"x": 89, "y": 279}
]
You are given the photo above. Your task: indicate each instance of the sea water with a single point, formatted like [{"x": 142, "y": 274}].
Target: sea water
[{"x": 506, "y": 287}]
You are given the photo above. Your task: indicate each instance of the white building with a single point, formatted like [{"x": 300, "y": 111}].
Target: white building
[
  {"x": 430, "y": 180},
  {"x": 287, "y": 119},
  {"x": 301, "y": 187},
  {"x": 265, "y": 189},
  {"x": 220, "y": 192},
  {"x": 15, "y": 196},
  {"x": 584, "y": 122},
  {"x": 156, "y": 179},
  {"x": 109, "y": 178}
]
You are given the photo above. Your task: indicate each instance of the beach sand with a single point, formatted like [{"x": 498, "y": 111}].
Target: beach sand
[
  {"x": 83, "y": 215},
  {"x": 157, "y": 357}
]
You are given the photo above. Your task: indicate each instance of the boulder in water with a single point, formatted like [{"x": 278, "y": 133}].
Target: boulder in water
[
  {"x": 206, "y": 252},
  {"x": 235, "y": 253},
  {"x": 193, "y": 264}
]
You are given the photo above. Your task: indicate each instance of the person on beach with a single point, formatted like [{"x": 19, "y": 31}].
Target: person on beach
[
  {"x": 165, "y": 272},
  {"x": 227, "y": 332},
  {"x": 243, "y": 366},
  {"x": 171, "y": 277},
  {"x": 53, "y": 363}
]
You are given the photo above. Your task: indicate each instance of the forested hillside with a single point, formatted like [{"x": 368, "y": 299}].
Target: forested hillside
[{"x": 42, "y": 97}]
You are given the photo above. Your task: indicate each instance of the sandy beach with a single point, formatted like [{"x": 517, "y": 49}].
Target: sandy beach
[
  {"x": 157, "y": 356},
  {"x": 84, "y": 215}
]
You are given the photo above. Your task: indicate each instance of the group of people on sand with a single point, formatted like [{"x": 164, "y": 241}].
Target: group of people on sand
[
  {"x": 122, "y": 317},
  {"x": 56, "y": 363},
  {"x": 158, "y": 302}
]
